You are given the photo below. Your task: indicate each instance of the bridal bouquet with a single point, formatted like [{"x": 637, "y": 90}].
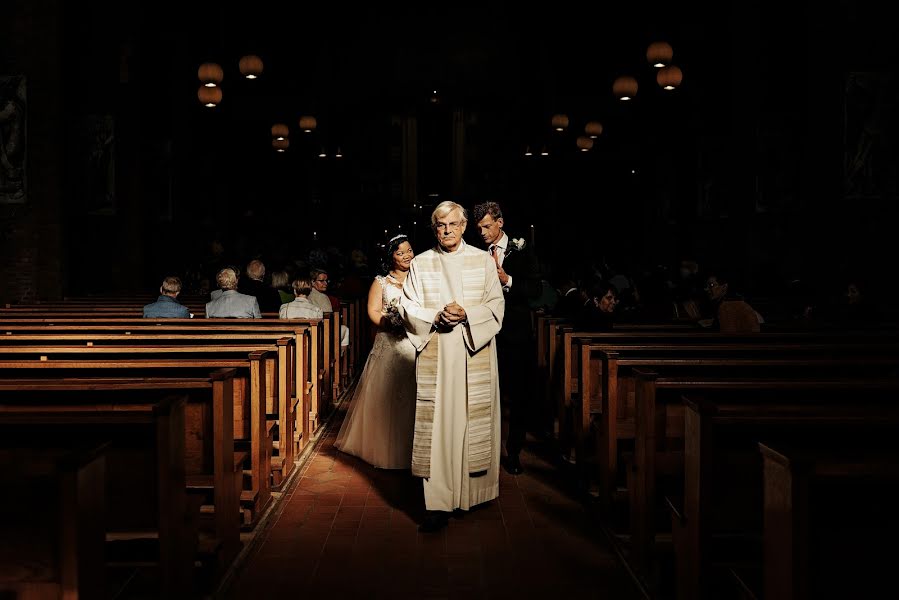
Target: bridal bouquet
[{"x": 392, "y": 318}]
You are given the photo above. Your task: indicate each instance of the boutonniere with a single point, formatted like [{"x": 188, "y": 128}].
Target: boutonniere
[{"x": 514, "y": 244}]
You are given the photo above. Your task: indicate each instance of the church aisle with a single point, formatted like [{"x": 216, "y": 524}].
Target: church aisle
[{"x": 347, "y": 529}]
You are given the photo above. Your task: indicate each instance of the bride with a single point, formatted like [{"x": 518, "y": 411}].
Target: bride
[{"x": 378, "y": 427}]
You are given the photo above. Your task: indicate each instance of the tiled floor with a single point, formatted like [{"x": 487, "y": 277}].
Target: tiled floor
[{"x": 350, "y": 530}]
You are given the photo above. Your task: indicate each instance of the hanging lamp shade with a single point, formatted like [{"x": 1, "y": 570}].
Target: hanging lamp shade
[
  {"x": 659, "y": 54},
  {"x": 527, "y": 151},
  {"x": 625, "y": 87},
  {"x": 308, "y": 123},
  {"x": 210, "y": 74},
  {"x": 584, "y": 143},
  {"x": 250, "y": 66},
  {"x": 279, "y": 130},
  {"x": 560, "y": 122},
  {"x": 670, "y": 77},
  {"x": 338, "y": 154},
  {"x": 593, "y": 129},
  {"x": 280, "y": 145},
  {"x": 209, "y": 97}
]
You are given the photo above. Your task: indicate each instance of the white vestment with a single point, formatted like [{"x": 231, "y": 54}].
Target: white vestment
[{"x": 457, "y": 430}]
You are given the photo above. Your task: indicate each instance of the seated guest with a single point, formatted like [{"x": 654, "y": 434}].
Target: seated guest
[
  {"x": 596, "y": 315},
  {"x": 300, "y": 307},
  {"x": 571, "y": 299},
  {"x": 731, "y": 313},
  {"x": 281, "y": 282},
  {"x": 218, "y": 292},
  {"x": 231, "y": 303},
  {"x": 319, "y": 294},
  {"x": 328, "y": 304},
  {"x": 855, "y": 309},
  {"x": 167, "y": 305},
  {"x": 546, "y": 298},
  {"x": 268, "y": 297}
]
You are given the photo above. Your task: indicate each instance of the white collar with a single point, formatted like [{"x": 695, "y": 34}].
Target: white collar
[{"x": 503, "y": 242}]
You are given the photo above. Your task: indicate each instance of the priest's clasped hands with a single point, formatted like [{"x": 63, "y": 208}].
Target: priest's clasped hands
[{"x": 451, "y": 315}]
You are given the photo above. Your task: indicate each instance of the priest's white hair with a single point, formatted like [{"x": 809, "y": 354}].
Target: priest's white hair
[{"x": 445, "y": 208}]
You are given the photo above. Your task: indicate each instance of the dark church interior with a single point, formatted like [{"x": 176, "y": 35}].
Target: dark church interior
[{"x": 231, "y": 237}]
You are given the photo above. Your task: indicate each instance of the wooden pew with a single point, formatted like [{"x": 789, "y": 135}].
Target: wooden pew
[
  {"x": 658, "y": 447},
  {"x": 320, "y": 358},
  {"x": 346, "y": 360},
  {"x": 722, "y": 476},
  {"x": 306, "y": 334},
  {"x": 336, "y": 388},
  {"x": 617, "y": 382},
  {"x": 581, "y": 350},
  {"x": 281, "y": 397},
  {"x": 146, "y": 495},
  {"x": 308, "y": 362},
  {"x": 150, "y": 360},
  {"x": 564, "y": 359},
  {"x": 597, "y": 350},
  {"x": 796, "y": 478},
  {"x": 355, "y": 338},
  {"x": 319, "y": 328},
  {"x": 54, "y": 529},
  {"x": 209, "y": 439}
]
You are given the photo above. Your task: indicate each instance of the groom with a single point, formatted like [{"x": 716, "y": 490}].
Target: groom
[
  {"x": 453, "y": 307},
  {"x": 514, "y": 341}
]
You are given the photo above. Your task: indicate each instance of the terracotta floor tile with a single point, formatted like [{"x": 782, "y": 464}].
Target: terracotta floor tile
[
  {"x": 377, "y": 511},
  {"x": 347, "y": 529}
]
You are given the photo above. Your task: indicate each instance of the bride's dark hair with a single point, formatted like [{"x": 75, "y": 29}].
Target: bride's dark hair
[{"x": 392, "y": 245}]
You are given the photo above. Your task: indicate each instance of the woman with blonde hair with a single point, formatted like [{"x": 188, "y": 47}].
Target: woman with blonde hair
[
  {"x": 281, "y": 282},
  {"x": 301, "y": 307}
]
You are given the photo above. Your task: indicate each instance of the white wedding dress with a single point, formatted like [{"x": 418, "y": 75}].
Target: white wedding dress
[{"x": 379, "y": 423}]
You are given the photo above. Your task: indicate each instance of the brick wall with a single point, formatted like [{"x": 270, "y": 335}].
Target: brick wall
[{"x": 31, "y": 255}]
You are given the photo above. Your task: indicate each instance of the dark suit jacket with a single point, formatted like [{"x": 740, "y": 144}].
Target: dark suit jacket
[
  {"x": 268, "y": 297},
  {"x": 569, "y": 306},
  {"x": 521, "y": 266}
]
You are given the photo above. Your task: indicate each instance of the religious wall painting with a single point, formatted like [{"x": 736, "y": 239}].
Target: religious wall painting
[
  {"x": 96, "y": 160},
  {"x": 13, "y": 138},
  {"x": 871, "y": 136}
]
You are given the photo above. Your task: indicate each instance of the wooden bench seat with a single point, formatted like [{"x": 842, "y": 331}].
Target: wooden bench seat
[
  {"x": 722, "y": 491},
  {"x": 53, "y": 534},
  {"x": 660, "y": 426},
  {"x": 316, "y": 364},
  {"x": 145, "y": 485},
  {"x": 806, "y": 505},
  {"x": 610, "y": 395},
  {"x": 570, "y": 359},
  {"x": 208, "y": 441},
  {"x": 248, "y": 397}
]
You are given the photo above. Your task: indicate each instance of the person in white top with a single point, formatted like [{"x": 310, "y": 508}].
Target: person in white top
[
  {"x": 318, "y": 297},
  {"x": 301, "y": 307}
]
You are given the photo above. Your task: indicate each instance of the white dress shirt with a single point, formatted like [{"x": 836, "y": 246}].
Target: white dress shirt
[{"x": 501, "y": 246}]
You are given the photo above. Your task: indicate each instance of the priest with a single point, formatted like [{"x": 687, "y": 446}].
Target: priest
[{"x": 453, "y": 307}]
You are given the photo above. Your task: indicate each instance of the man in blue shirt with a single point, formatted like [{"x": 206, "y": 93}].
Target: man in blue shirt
[{"x": 167, "y": 306}]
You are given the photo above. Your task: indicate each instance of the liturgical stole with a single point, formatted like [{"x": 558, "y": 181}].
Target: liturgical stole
[{"x": 478, "y": 381}]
